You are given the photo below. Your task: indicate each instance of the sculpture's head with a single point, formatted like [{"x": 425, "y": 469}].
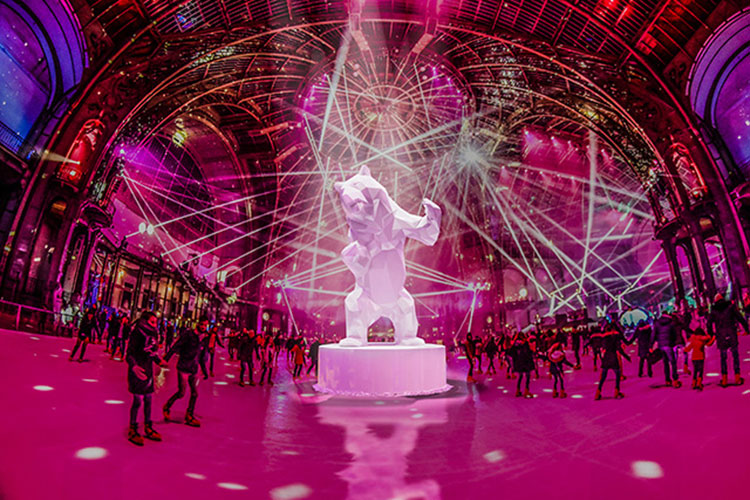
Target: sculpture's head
[{"x": 365, "y": 201}]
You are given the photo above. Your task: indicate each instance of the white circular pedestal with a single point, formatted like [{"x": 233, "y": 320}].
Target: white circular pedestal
[{"x": 381, "y": 370}]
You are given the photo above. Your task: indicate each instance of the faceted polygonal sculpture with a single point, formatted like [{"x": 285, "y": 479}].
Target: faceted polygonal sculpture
[{"x": 378, "y": 229}]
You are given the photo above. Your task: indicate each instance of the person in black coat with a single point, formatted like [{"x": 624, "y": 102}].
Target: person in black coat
[
  {"x": 246, "y": 347},
  {"x": 723, "y": 322},
  {"x": 490, "y": 349},
  {"x": 113, "y": 330},
  {"x": 645, "y": 342},
  {"x": 612, "y": 350},
  {"x": 188, "y": 348},
  {"x": 86, "y": 332},
  {"x": 141, "y": 355},
  {"x": 595, "y": 342},
  {"x": 523, "y": 362},
  {"x": 170, "y": 334},
  {"x": 314, "y": 349},
  {"x": 665, "y": 331},
  {"x": 575, "y": 341}
]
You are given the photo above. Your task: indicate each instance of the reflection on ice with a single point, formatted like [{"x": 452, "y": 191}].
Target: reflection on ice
[{"x": 380, "y": 436}]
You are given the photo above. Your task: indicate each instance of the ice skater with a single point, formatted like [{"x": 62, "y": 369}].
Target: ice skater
[
  {"x": 141, "y": 355},
  {"x": 723, "y": 322},
  {"x": 523, "y": 363},
  {"x": 188, "y": 348},
  {"x": 313, "y": 354},
  {"x": 612, "y": 344},
  {"x": 299, "y": 358},
  {"x": 267, "y": 359},
  {"x": 86, "y": 332},
  {"x": 556, "y": 358},
  {"x": 490, "y": 349},
  {"x": 468, "y": 346},
  {"x": 665, "y": 335},
  {"x": 697, "y": 343},
  {"x": 645, "y": 342},
  {"x": 208, "y": 351},
  {"x": 246, "y": 349}
]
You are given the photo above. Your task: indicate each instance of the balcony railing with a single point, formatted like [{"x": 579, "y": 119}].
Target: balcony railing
[
  {"x": 32, "y": 320},
  {"x": 10, "y": 139}
]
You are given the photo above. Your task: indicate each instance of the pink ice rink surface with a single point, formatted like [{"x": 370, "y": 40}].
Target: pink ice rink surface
[{"x": 63, "y": 435}]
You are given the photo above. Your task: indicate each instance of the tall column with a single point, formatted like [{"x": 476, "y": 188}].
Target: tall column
[
  {"x": 706, "y": 275},
  {"x": 82, "y": 281},
  {"x": 674, "y": 270}
]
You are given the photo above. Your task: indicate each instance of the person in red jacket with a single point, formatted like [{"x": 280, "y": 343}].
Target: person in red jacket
[
  {"x": 697, "y": 343},
  {"x": 299, "y": 357},
  {"x": 468, "y": 346}
]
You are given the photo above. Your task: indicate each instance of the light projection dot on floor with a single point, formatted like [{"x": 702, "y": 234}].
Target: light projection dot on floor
[
  {"x": 42, "y": 388},
  {"x": 505, "y": 391},
  {"x": 227, "y": 364},
  {"x": 232, "y": 486},
  {"x": 220, "y": 382},
  {"x": 546, "y": 390},
  {"x": 712, "y": 374},
  {"x": 577, "y": 396},
  {"x": 34, "y": 338},
  {"x": 55, "y": 355},
  {"x": 494, "y": 456},
  {"x": 646, "y": 469},
  {"x": 90, "y": 380},
  {"x": 229, "y": 375},
  {"x": 307, "y": 395},
  {"x": 462, "y": 357},
  {"x": 193, "y": 475},
  {"x": 92, "y": 453},
  {"x": 746, "y": 392},
  {"x": 417, "y": 415},
  {"x": 289, "y": 452},
  {"x": 66, "y": 350},
  {"x": 291, "y": 492},
  {"x": 114, "y": 402}
]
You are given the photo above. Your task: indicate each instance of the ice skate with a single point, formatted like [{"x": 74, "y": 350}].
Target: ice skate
[
  {"x": 150, "y": 433},
  {"x": 134, "y": 437}
]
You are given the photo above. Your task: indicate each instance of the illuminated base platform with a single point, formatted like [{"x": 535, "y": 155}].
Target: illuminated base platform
[{"x": 382, "y": 370}]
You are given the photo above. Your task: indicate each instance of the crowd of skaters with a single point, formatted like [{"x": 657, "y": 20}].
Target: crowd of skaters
[
  {"x": 149, "y": 341},
  {"x": 674, "y": 336}
]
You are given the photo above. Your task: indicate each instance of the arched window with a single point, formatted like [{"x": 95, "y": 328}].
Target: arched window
[
  {"x": 719, "y": 88},
  {"x": 732, "y": 114},
  {"x": 42, "y": 58}
]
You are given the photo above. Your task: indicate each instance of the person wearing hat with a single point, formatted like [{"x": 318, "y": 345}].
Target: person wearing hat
[{"x": 723, "y": 321}]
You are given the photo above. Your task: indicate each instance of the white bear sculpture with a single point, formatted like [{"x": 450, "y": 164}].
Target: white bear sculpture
[{"x": 378, "y": 229}]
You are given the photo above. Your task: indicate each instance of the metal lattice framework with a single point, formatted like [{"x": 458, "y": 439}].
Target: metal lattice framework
[{"x": 510, "y": 113}]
